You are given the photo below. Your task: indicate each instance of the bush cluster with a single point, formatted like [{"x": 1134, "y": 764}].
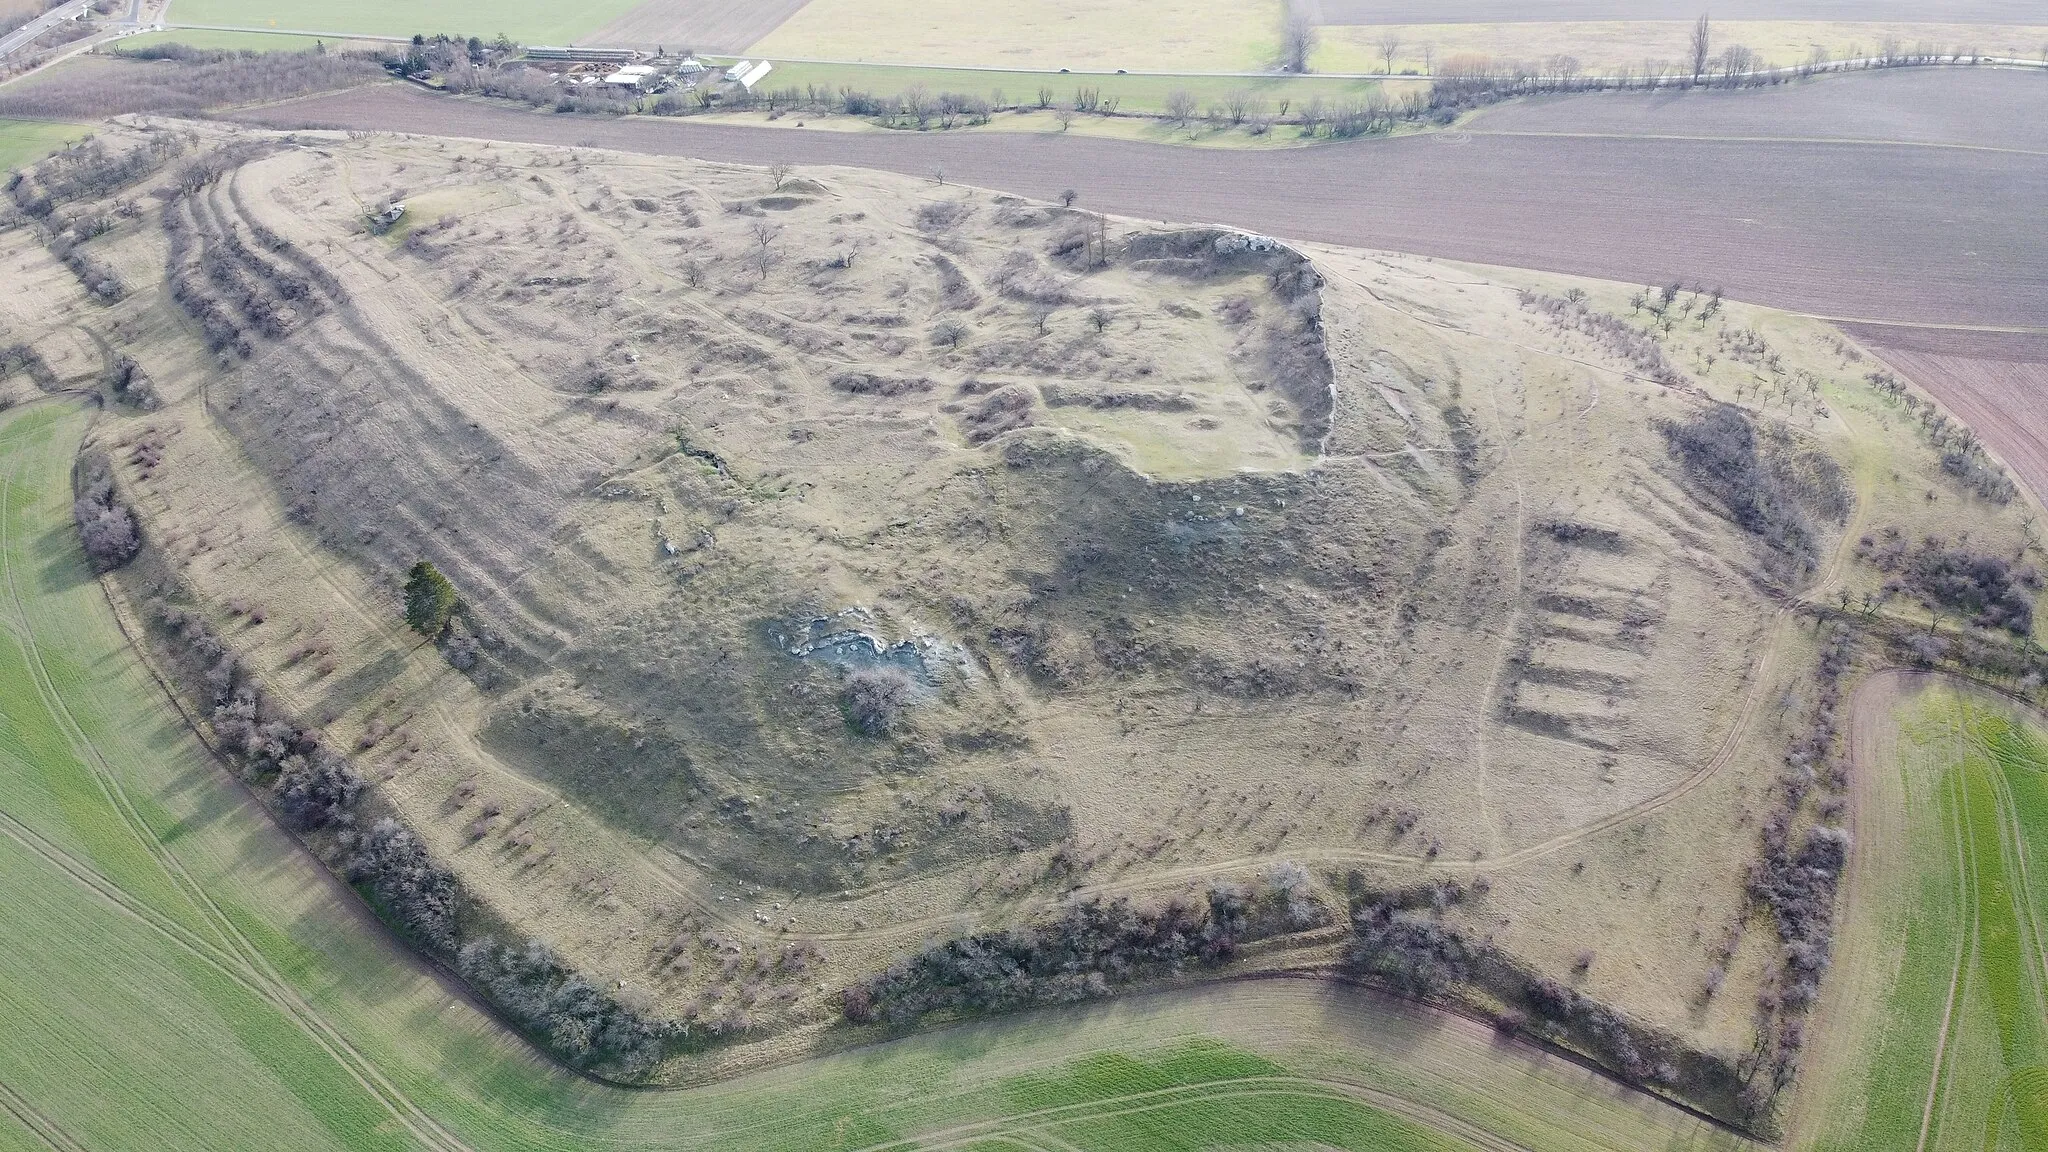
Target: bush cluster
[
  {"x": 581, "y": 1022},
  {"x": 25, "y": 359},
  {"x": 101, "y": 283},
  {"x": 106, "y": 528},
  {"x": 1796, "y": 879},
  {"x": 1767, "y": 485},
  {"x": 1095, "y": 947},
  {"x": 875, "y": 699},
  {"x": 1991, "y": 591},
  {"x": 222, "y": 333},
  {"x": 131, "y": 384}
]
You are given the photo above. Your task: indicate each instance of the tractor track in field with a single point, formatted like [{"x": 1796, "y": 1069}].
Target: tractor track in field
[
  {"x": 255, "y": 967},
  {"x": 1038, "y": 1122},
  {"x": 45, "y": 1130}
]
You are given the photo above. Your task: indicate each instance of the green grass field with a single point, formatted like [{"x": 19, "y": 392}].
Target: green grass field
[
  {"x": 1136, "y": 93},
  {"x": 528, "y": 21},
  {"x": 177, "y": 975},
  {"x": 1961, "y": 1051},
  {"x": 25, "y": 141}
]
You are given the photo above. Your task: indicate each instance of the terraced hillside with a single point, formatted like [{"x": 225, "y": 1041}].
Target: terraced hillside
[{"x": 152, "y": 969}]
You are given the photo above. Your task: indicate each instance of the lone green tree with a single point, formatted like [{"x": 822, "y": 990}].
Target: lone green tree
[{"x": 429, "y": 600}]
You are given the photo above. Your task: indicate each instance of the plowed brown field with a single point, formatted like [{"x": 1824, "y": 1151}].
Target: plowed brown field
[
  {"x": 1869, "y": 231},
  {"x": 1920, "y": 105}
]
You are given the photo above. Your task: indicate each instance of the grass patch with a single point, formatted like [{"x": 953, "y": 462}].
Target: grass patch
[{"x": 27, "y": 141}]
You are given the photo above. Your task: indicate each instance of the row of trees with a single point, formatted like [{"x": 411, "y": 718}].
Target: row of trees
[
  {"x": 1094, "y": 948},
  {"x": 317, "y": 792}
]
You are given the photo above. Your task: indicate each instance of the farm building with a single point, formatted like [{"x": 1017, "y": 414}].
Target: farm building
[
  {"x": 633, "y": 78},
  {"x": 748, "y": 73},
  {"x": 593, "y": 55}
]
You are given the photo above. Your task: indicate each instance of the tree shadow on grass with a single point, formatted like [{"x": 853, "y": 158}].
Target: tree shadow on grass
[
  {"x": 358, "y": 685},
  {"x": 60, "y": 565}
]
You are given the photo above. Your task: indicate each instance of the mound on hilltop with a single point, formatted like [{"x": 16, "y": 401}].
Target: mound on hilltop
[{"x": 857, "y": 562}]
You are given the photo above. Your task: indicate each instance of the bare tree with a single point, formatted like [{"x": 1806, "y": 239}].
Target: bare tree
[
  {"x": 1068, "y": 197},
  {"x": 1389, "y": 44},
  {"x": 1702, "y": 46},
  {"x": 1180, "y": 105},
  {"x": 1064, "y": 113},
  {"x": 779, "y": 173},
  {"x": 1428, "y": 59},
  {"x": 1297, "y": 41},
  {"x": 763, "y": 256}
]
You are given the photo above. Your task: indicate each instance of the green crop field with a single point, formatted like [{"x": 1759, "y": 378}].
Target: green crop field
[
  {"x": 529, "y": 21},
  {"x": 178, "y": 975},
  {"x": 1960, "y": 1053}
]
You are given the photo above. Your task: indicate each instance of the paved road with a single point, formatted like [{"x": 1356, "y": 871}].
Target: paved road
[
  {"x": 41, "y": 24},
  {"x": 1882, "y": 231}
]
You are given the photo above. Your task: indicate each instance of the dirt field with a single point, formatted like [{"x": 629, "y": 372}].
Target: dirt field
[
  {"x": 699, "y": 25},
  {"x": 1996, "y": 383},
  {"x": 1931, "y": 240},
  {"x": 1506, "y": 12},
  {"x": 1611, "y": 47},
  {"x": 1928, "y": 106}
]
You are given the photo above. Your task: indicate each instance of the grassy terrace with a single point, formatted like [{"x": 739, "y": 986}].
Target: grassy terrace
[{"x": 179, "y": 976}]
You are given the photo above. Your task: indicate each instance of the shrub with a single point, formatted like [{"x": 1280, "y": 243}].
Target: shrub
[
  {"x": 391, "y": 863},
  {"x": 1094, "y": 947},
  {"x": 1991, "y": 590},
  {"x": 876, "y": 698},
  {"x": 106, "y": 529},
  {"x": 429, "y": 600},
  {"x": 584, "y": 1024},
  {"x": 1766, "y": 485}
]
